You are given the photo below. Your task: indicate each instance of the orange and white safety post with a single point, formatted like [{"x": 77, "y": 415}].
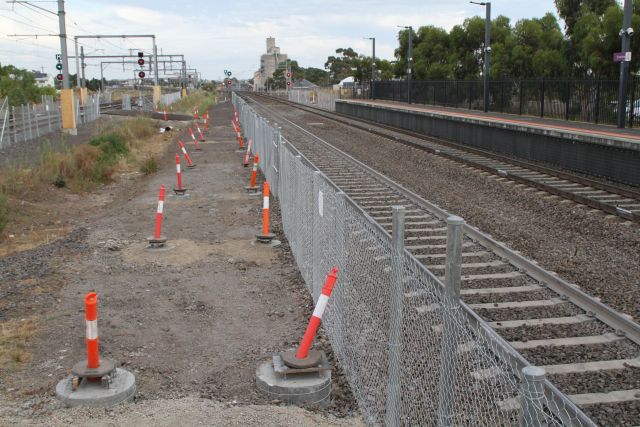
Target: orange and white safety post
[
  {"x": 91, "y": 338},
  {"x": 193, "y": 138},
  {"x": 237, "y": 129},
  {"x": 190, "y": 164},
  {"x": 246, "y": 156},
  {"x": 180, "y": 190},
  {"x": 158, "y": 240},
  {"x": 200, "y": 133},
  {"x": 206, "y": 121},
  {"x": 266, "y": 236},
  {"x": 165, "y": 115},
  {"x": 254, "y": 174},
  {"x": 316, "y": 317}
]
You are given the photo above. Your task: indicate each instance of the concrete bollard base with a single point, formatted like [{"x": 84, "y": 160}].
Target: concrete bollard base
[
  {"x": 121, "y": 388},
  {"x": 312, "y": 388}
]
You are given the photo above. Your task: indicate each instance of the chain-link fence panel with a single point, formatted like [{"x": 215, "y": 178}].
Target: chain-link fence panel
[{"x": 412, "y": 351}]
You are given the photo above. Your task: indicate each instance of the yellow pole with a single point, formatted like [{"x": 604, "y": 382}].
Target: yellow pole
[
  {"x": 68, "y": 111},
  {"x": 156, "y": 96}
]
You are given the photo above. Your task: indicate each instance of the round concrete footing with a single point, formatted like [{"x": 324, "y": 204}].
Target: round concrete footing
[
  {"x": 272, "y": 244},
  {"x": 305, "y": 388},
  {"x": 156, "y": 243},
  {"x": 121, "y": 389}
]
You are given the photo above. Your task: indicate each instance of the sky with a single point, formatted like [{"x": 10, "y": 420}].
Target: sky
[{"x": 218, "y": 36}]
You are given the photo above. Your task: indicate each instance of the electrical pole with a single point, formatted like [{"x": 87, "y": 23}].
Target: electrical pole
[
  {"x": 487, "y": 50},
  {"x": 82, "y": 80},
  {"x": 409, "y": 63},
  {"x": 373, "y": 66},
  {"x": 625, "y": 33},
  {"x": 77, "y": 63},
  {"x": 63, "y": 45}
]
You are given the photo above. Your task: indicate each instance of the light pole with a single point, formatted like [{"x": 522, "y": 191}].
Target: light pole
[
  {"x": 409, "y": 60},
  {"x": 625, "y": 34},
  {"x": 373, "y": 65},
  {"x": 487, "y": 49}
]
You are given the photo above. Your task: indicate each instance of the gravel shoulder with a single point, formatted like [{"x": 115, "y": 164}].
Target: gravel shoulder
[
  {"x": 598, "y": 252},
  {"x": 191, "y": 322}
]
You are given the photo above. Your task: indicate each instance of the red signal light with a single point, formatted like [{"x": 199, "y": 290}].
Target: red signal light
[
  {"x": 140, "y": 61},
  {"x": 141, "y": 74},
  {"x": 59, "y": 77}
]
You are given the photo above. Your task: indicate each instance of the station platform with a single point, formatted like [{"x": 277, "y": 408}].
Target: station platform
[{"x": 598, "y": 150}]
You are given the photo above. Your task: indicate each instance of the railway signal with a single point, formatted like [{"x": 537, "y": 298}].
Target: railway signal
[
  {"x": 59, "y": 77},
  {"x": 141, "y": 74}
]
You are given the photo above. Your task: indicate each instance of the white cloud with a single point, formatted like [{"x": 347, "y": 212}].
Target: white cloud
[{"x": 218, "y": 36}]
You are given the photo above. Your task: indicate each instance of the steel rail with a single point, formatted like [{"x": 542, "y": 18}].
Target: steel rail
[
  {"x": 503, "y": 348},
  {"x": 587, "y": 182}
]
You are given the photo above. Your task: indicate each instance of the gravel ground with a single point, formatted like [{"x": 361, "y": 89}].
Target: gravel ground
[
  {"x": 192, "y": 322},
  {"x": 186, "y": 411}
]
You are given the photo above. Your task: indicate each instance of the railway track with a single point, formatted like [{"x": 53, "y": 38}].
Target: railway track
[
  {"x": 590, "y": 352},
  {"x": 622, "y": 201}
]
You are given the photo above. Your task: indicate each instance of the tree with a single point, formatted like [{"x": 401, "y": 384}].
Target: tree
[
  {"x": 19, "y": 86},
  {"x": 341, "y": 66},
  {"x": 317, "y": 76}
]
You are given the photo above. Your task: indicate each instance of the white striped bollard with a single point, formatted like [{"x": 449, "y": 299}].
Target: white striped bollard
[
  {"x": 180, "y": 190},
  {"x": 254, "y": 174},
  {"x": 158, "y": 240},
  {"x": 94, "y": 368},
  {"x": 193, "y": 138},
  {"x": 246, "y": 157},
  {"x": 304, "y": 356},
  {"x": 200, "y": 135},
  {"x": 266, "y": 236},
  {"x": 190, "y": 164}
]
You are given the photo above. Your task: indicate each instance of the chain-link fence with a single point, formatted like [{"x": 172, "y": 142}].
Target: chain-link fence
[
  {"x": 169, "y": 98},
  {"x": 27, "y": 122},
  {"x": 126, "y": 102},
  {"x": 316, "y": 97},
  {"x": 412, "y": 351}
]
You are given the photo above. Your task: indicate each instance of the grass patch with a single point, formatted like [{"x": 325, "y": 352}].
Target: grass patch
[
  {"x": 149, "y": 166},
  {"x": 199, "y": 100},
  {"x": 86, "y": 166},
  {"x": 14, "y": 336}
]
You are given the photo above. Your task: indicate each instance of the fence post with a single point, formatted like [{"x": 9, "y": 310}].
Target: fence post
[
  {"x": 450, "y": 306},
  {"x": 316, "y": 275},
  {"x": 457, "y": 94},
  {"x": 520, "y": 90},
  {"x": 48, "y": 108},
  {"x": 566, "y": 106},
  {"x": 470, "y": 86},
  {"x": 597, "y": 113},
  {"x": 14, "y": 125},
  {"x": 633, "y": 100},
  {"x": 502, "y": 96},
  {"x": 392, "y": 411},
  {"x": 542, "y": 99},
  {"x": 532, "y": 395},
  {"x": 35, "y": 119}
]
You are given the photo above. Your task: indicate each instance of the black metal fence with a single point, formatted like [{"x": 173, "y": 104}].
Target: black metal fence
[{"x": 589, "y": 100}]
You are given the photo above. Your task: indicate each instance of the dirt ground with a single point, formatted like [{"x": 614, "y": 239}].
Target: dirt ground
[{"x": 192, "y": 321}]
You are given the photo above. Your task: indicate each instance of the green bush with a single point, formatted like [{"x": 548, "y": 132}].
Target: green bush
[{"x": 149, "y": 166}]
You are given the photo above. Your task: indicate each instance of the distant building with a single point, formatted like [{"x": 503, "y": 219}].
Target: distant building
[
  {"x": 268, "y": 64},
  {"x": 43, "y": 79}
]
